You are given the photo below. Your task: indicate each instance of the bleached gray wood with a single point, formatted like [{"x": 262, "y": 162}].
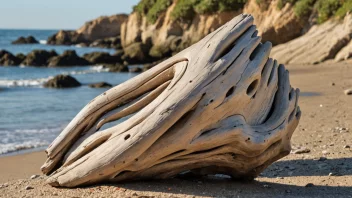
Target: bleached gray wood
[{"x": 220, "y": 106}]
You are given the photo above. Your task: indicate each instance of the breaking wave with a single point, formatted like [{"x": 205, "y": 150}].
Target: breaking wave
[
  {"x": 18, "y": 140},
  {"x": 38, "y": 82},
  {"x": 43, "y": 42},
  {"x": 94, "y": 69},
  {"x": 24, "y": 83}
]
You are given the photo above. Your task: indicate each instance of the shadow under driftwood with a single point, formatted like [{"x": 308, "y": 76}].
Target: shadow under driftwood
[
  {"x": 228, "y": 188},
  {"x": 309, "y": 167},
  {"x": 222, "y": 186}
]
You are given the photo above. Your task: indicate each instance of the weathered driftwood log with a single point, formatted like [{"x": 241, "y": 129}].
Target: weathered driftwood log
[{"x": 220, "y": 106}]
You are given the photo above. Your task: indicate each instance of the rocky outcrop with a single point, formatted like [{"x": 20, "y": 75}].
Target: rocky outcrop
[
  {"x": 167, "y": 36},
  {"x": 100, "y": 85},
  {"x": 62, "y": 81},
  {"x": 102, "y": 27},
  {"x": 8, "y": 59},
  {"x": 116, "y": 67},
  {"x": 38, "y": 58},
  {"x": 136, "y": 53},
  {"x": 25, "y": 40},
  {"x": 345, "y": 53},
  {"x": 275, "y": 25},
  {"x": 136, "y": 70},
  {"x": 66, "y": 38},
  {"x": 103, "y": 58},
  {"x": 21, "y": 57},
  {"x": 113, "y": 43},
  {"x": 320, "y": 43},
  {"x": 68, "y": 58}
]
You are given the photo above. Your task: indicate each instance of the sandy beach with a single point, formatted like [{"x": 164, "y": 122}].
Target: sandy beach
[{"x": 325, "y": 170}]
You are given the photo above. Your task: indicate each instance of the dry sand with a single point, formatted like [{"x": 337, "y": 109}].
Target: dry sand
[{"x": 325, "y": 129}]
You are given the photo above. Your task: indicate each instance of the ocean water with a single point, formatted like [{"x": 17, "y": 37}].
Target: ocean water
[{"x": 32, "y": 116}]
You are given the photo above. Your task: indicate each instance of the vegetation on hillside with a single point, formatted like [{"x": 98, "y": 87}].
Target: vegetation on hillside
[
  {"x": 152, "y": 8},
  {"x": 324, "y": 8},
  {"x": 185, "y": 9}
]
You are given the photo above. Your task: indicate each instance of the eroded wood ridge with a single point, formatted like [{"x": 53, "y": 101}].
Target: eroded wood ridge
[{"x": 220, "y": 106}]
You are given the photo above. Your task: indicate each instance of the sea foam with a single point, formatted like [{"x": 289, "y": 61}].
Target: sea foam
[
  {"x": 38, "y": 82},
  {"x": 23, "y": 139},
  {"x": 24, "y": 82},
  {"x": 43, "y": 42}
]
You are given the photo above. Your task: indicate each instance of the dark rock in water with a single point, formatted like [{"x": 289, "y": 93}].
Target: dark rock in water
[
  {"x": 137, "y": 53},
  {"x": 25, "y": 40},
  {"x": 66, "y": 38},
  {"x": 102, "y": 58},
  {"x": 3, "y": 52},
  {"x": 38, "y": 58},
  {"x": 100, "y": 85},
  {"x": 114, "y": 43},
  {"x": 136, "y": 70},
  {"x": 68, "y": 58},
  {"x": 117, "y": 67},
  {"x": 21, "y": 57},
  {"x": 8, "y": 59},
  {"x": 62, "y": 81},
  {"x": 119, "y": 53}
]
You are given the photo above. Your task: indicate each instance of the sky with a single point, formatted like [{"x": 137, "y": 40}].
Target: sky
[{"x": 57, "y": 14}]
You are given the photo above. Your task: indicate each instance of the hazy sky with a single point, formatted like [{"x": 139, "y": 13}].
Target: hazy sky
[{"x": 57, "y": 14}]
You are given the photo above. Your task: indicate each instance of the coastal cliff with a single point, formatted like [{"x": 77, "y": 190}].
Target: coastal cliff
[
  {"x": 100, "y": 28},
  {"x": 170, "y": 33},
  {"x": 157, "y": 29}
]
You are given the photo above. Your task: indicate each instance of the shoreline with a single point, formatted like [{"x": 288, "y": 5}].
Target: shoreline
[
  {"x": 21, "y": 166},
  {"x": 24, "y": 151}
]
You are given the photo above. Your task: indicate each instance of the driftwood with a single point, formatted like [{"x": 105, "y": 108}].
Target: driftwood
[{"x": 220, "y": 106}]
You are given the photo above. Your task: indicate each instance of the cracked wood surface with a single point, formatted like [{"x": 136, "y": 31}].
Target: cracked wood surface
[{"x": 220, "y": 106}]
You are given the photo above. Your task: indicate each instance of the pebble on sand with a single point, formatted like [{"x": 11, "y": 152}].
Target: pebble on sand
[
  {"x": 29, "y": 188},
  {"x": 348, "y": 92},
  {"x": 347, "y": 146},
  {"x": 266, "y": 186},
  {"x": 34, "y": 176},
  {"x": 301, "y": 151},
  {"x": 4, "y": 185},
  {"x": 288, "y": 191}
]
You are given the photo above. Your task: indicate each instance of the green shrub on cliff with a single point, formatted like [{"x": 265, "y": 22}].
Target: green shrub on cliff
[
  {"x": 186, "y": 9},
  {"x": 324, "y": 8},
  {"x": 144, "y": 6},
  {"x": 282, "y": 3},
  {"x": 152, "y": 8},
  {"x": 346, "y": 7},
  {"x": 206, "y": 6},
  {"x": 304, "y": 8},
  {"x": 327, "y": 8}
]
